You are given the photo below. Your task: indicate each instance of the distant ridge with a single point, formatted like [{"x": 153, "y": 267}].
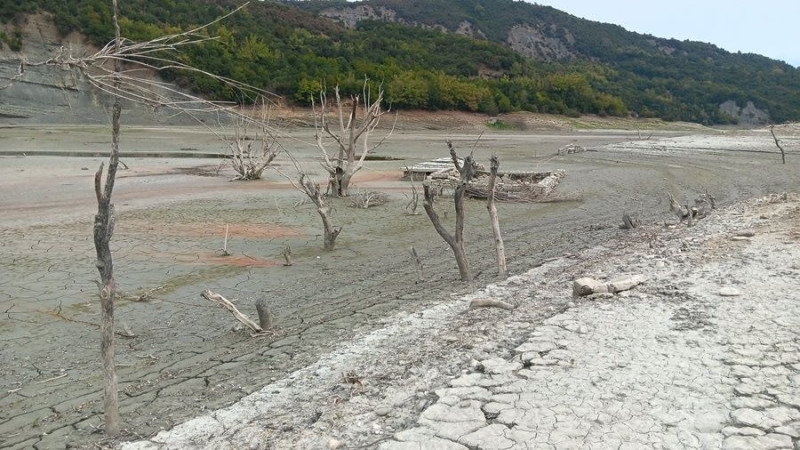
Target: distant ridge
[{"x": 488, "y": 56}]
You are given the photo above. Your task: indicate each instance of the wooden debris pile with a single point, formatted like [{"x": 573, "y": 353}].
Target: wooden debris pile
[
  {"x": 516, "y": 186},
  {"x": 570, "y": 149}
]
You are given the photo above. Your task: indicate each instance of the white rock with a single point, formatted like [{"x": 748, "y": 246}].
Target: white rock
[
  {"x": 536, "y": 347},
  {"x": 623, "y": 284},
  {"x": 500, "y": 365},
  {"x": 492, "y": 436},
  {"x": 588, "y": 286},
  {"x": 729, "y": 291}
]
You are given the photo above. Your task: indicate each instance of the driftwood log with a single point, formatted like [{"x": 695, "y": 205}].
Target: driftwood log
[
  {"x": 490, "y": 303},
  {"x": 225, "y": 303}
]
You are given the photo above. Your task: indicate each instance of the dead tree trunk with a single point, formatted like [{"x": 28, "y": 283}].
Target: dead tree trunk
[
  {"x": 676, "y": 208},
  {"x": 252, "y": 154},
  {"x": 311, "y": 189},
  {"x": 411, "y": 206},
  {"x": 287, "y": 255},
  {"x": 629, "y": 223},
  {"x": 418, "y": 263},
  {"x": 264, "y": 314},
  {"x": 103, "y": 71},
  {"x": 455, "y": 241},
  {"x": 777, "y": 143},
  {"x": 103, "y": 230},
  {"x": 492, "y": 208}
]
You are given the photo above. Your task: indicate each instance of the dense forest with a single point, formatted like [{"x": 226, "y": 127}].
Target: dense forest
[{"x": 290, "y": 49}]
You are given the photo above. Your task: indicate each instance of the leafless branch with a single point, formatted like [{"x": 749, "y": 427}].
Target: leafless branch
[{"x": 777, "y": 143}]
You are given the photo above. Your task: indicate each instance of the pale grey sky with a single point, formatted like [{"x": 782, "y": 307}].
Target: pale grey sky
[{"x": 765, "y": 27}]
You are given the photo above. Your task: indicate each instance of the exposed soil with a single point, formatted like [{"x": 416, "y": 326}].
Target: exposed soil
[{"x": 189, "y": 356}]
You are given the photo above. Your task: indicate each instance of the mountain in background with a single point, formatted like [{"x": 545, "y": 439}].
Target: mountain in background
[{"x": 489, "y": 56}]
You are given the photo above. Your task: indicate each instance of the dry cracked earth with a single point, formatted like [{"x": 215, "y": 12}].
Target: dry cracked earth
[
  {"x": 704, "y": 354},
  {"x": 362, "y": 348}
]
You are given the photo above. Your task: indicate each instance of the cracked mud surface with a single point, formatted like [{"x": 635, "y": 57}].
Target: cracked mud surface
[
  {"x": 186, "y": 359},
  {"x": 705, "y": 354}
]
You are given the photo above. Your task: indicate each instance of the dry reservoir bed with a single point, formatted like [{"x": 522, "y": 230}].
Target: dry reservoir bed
[{"x": 184, "y": 355}]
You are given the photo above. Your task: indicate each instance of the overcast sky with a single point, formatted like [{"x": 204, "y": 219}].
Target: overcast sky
[{"x": 765, "y": 27}]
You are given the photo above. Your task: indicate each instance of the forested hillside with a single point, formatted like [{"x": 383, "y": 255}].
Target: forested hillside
[{"x": 293, "y": 49}]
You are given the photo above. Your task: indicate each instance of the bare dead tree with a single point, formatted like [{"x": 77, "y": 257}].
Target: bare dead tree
[
  {"x": 777, "y": 143},
  {"x": 456, "y": 240},
  {"x": 639, "y": 134},
  {"x": 347, "y": 158},
  {"x": 117, "y": 69},
  {"x": 312, "y": 191},
  {"x": 251, "y": 153},
  {"x": 492, "y": 208},
  {"x": 135, "y": 84},
  {"x": 103, "y": 231}
]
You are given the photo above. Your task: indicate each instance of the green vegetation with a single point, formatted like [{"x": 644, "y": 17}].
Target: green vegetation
[{"x": 287, "y": 48}]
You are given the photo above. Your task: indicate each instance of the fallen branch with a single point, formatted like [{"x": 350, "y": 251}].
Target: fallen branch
[
  {"x": 490, "y": 303},
  {"x": 54, "y": 378},
  {"x": 225, "y": 303}
]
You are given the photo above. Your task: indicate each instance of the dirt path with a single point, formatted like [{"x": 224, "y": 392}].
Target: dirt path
[{"x": 185, "y": 357}]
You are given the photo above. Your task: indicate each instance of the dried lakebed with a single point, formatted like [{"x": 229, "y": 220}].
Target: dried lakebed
[{"x": 188, "y": 356}]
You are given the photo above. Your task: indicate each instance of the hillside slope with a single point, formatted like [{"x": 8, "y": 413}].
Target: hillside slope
[
  {"x": 488, "y": 56},
  {"x": 651, "y": 74}
]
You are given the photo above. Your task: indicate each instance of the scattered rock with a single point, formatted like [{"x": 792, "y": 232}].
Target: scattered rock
[
  {"x": 627, "y": 283},
  {"x": 500, "y": 365},
  {"x": 769, "y": 441},
  {"x": 729, "y": 291},
  {"x": 536, "y": 347},
  {"x": 587, "y": 286}
]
